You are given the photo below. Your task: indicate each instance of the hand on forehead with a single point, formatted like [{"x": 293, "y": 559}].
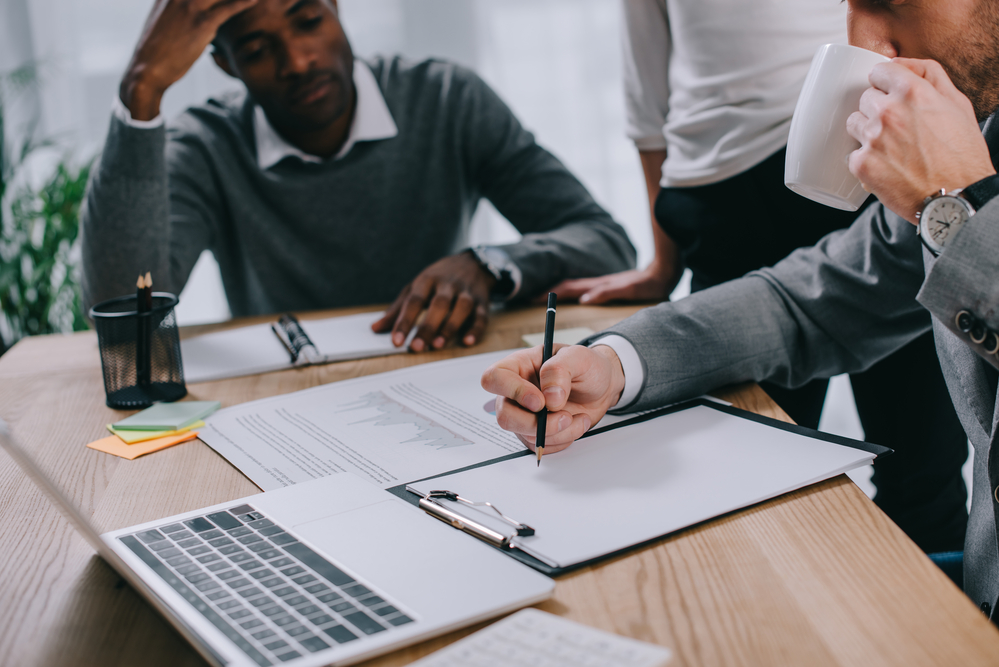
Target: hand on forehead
[{"x": 268, "y": 15}]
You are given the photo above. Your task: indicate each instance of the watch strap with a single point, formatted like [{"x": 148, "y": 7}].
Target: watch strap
[
  {"x": 980, "y": 193},
  {"x": 933, "y": 251}
]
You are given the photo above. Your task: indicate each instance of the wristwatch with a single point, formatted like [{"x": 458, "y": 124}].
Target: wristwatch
[
  {"x": 945, "y": 213},
  {"x": 498, "y": 264}
]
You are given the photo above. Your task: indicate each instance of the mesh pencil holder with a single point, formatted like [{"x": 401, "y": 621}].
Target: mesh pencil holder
[{"x": 121, "y": 330}]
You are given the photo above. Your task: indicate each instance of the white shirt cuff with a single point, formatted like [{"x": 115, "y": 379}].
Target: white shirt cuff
[
  {"x": 516, "y": 275},
  {"x": 122, "y": 113},
  {"x": 496, "y": 260},
  {"x": 631, "y": 364},
  {"x": 655, "y": 142}
]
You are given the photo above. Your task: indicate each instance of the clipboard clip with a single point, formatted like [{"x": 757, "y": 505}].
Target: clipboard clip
[
  {"x": 291, "y": 334},
  {"x": 431, "y": 505}
]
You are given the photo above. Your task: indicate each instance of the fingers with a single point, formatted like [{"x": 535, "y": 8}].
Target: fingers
[
  {"x": 561, "y": 428},
  {"x": 570, "y": 429},
  {"x": 607, "y": 293},
  {"x": 911, "y": 79},
  {"x": 856, "y": 126},
  {"x": 931, "y": 71},
  {"x": 225, "y": 10},
  {"x": 573, "y": 289},
  {"x": 391, "y": 315},
  {"x": 513, "y": 378},
  {"x": 893, "y": 76},
  {"x": 555, "y": 380},
  {"x": 460, "y": 313},
  {"x": 409, "y": 311},
  {"x": 437, "y": 312},
  {"x": 446, "y": 316},
  {"x": 872, "y": 102},
  {"x": 514, "y": 418},
  {"x": 478, "y": 327}
]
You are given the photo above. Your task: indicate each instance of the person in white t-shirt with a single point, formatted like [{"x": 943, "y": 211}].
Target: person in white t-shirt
[{"x": 710, "y": 88}]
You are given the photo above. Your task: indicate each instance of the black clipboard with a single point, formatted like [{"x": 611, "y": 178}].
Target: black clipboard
[{"x": 414, "y": 499}]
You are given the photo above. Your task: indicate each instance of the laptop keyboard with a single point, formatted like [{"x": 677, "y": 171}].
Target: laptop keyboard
[{"x": 273, "y": 596}]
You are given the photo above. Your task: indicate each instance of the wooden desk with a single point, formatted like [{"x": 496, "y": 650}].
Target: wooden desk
[{"x": 817, "y": 577}]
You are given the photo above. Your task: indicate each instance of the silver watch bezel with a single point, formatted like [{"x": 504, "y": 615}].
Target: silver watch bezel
[{"x": 924, "y": 232}]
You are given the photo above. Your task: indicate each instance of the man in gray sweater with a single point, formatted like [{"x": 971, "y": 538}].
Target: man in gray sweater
[{"x": 330, "y": 182}]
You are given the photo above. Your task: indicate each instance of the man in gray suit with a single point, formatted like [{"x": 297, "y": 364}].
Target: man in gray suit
[{"x": 862, "y": 292}]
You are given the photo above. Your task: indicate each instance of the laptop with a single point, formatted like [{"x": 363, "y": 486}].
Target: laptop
[{"x": 326, "y": 572}]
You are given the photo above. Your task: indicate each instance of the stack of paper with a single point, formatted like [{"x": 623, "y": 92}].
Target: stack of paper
[{"x": 158, "y": 427}]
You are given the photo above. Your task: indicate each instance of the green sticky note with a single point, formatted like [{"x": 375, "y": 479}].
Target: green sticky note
[
  {"x": 132, "y": 437},
  {"x": 168, "y": 416}
]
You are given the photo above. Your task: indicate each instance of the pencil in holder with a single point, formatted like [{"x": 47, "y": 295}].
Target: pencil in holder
[{"x": 140, "y": 351}]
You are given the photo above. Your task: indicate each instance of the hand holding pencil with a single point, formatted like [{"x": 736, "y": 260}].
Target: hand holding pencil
[
  {"x": 576, "y": 386},
  {"x": 546, "y": 354}
]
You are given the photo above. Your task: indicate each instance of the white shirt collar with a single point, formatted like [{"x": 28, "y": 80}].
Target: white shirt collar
[{"x": 372, "y": 122}]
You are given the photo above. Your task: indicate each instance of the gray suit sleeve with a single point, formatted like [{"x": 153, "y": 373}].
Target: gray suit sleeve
[
  {"x": 566, "y": 233},
  {"x": 141, "y": 214},
  {"x": 837, "y": 307},
  {"x": 966, "y": 278}
]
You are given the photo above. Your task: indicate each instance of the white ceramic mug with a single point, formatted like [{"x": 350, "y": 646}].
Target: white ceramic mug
[{"x": 818, "y": 146}]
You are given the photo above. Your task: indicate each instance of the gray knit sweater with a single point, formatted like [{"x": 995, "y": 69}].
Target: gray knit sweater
[{"x": 303, "y": 236}]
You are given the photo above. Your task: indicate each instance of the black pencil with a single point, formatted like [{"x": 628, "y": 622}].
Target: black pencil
[
  {"x": 546, "y": 354},
  {"x": 143, "y": 344}
]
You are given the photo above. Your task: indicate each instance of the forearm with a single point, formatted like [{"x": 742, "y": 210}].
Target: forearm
[
  {"x": 566, "y": 234},
  {"x": 573, "y": 250},
  {"x": 837, "y": 307},
  {"x": 667, "y": 257},
  {"x": 124, "y": 220},
  {"x": 140, "y": 97}
]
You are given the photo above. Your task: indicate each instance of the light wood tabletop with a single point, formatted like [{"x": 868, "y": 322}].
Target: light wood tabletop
[{"x": 815, "y": 577}]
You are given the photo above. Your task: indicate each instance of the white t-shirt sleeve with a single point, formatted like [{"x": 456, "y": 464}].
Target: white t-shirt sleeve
[
  {"x": 631, "y": 364},
  {"x": 646, "y": 43},
  {"x": 122, "y": 113}
]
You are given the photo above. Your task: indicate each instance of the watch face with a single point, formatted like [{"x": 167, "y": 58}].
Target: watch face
[{"x": 941, "y": 220}]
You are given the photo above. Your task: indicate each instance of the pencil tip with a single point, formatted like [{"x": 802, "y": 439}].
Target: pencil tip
[
  {"x": 140, "y": 282},
  {"x": 149, "y": 279}
]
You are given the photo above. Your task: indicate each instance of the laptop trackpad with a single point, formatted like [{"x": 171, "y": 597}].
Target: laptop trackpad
[{"x": 426, "y": 565}]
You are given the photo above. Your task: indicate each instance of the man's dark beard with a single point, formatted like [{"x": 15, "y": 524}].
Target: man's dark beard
[
  {"x": 974, "y": 66},
  {"x": 979, "y": 81}
]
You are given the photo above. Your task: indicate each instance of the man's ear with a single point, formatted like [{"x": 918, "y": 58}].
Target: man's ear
[{"x": 222, "y": 61}]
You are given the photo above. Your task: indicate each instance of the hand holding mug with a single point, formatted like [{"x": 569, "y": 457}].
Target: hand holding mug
[{"x": 918, "y": 133}]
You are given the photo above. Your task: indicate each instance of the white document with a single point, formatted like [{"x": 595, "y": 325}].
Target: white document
[
  {"x": 532, "y": 638},
  {"x": 391, "y": 428},
  {"x": 257, "y": 349},
  {"x": 632, "y": 484}
]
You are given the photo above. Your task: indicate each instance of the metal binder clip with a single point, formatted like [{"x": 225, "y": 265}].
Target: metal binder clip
[
  {"x": 435, "y": 509},
  {"x": 291, "y": 334}
]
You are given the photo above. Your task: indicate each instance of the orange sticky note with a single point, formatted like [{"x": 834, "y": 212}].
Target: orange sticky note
[{"x": 115, "y": 445}]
